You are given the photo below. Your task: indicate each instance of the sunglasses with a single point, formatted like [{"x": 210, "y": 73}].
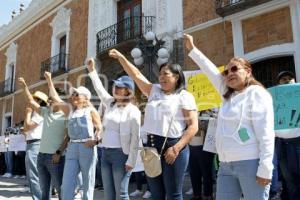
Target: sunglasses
[
  {"x": 233, "y": 69},
  {"x": 75, "y": 94}
]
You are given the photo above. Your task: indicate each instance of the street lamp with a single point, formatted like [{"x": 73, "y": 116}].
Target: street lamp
[{"x": 149, "y": 49}]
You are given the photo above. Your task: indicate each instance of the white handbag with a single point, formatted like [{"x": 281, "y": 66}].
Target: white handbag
[{"x": 152, "y": 159}]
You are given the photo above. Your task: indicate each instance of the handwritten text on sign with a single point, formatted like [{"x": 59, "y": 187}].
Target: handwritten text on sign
[
  {"x": 205, "y": 94},
  {"x": 286, "y": 102},
  {"x": 16, "y": 143},
  {"x": 210, "y": 138}
]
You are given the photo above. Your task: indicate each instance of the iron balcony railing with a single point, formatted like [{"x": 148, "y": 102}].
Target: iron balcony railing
[
  {"x": 7, "y": 87},
  {"x": 126, "y": 29},
  {"x": 229, "y": 7},
  {"x": 56, "y": 65}
]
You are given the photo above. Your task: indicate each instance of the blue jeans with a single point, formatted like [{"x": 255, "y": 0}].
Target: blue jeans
[
  {"x": 170, "y": 182},
  {"x": 201, "y": 168},
  {"x": 32, "y": 151},
  {"x": 116, "y": 179},
  {"x": 9, "y": 161},
  {"x": 290, "y": 166},
  {"x": 49, "y": 173},
  {"x": 99, "y": 181},
  {"x": 79, "y": 181},
  {"x": 275, "y": 184},
  {"x": 79, "y": 159},
  {"x": 237, "y": 178}
]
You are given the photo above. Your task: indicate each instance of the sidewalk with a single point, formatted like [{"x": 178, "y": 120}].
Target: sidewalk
[{"x": 11, "y": 189}]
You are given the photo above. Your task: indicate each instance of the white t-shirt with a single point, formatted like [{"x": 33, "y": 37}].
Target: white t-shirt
[
  {"x": 111, "y": 124},
  {"x": 36, "y": 133},
  {"x": 163, "y": 108}
]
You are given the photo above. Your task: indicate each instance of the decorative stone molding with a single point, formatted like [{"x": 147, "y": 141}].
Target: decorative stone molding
[
  {"x": 161, "y": 16},
  {"x": 10, "y": 67},
  {"x": 35, "y": 11},
  {"x": 11, "y": 54},
  {"x": 149, "y": 8},
  {"x": 61, "y": 22},
  {"x": 102, "y": 14},
  {"x": 60, "y": 26}
]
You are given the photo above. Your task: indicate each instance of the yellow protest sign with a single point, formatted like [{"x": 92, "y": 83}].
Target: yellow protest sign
[{"x": 205, "y": 94}]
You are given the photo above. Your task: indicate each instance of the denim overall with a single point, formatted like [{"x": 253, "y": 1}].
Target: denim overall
[{"x": 79, "y": 158}]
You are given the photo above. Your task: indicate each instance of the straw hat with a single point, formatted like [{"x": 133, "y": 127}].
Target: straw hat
[{"x": 40, "y": 95}]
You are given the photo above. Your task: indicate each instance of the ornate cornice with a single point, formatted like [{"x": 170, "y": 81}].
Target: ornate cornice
[{"x": 36, "y": 10}]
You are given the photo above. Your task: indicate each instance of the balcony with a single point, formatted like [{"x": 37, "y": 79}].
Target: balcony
[
  {"x": 7, "y": 87},
  {"x": 126, "y": 29},
  {"x": 229, "y": 7},
  {"x": 57, "y": 65}
]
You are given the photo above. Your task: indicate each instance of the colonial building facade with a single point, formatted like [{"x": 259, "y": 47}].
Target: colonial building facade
[
  {"x": 59, "y": 35},
  {"x": 48, "y": 35},
  {"x": 120, "y": 23},
  {"x": 266, "y": 32}
]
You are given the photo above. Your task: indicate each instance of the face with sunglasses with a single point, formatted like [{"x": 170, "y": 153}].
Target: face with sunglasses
[
  {"x": 236, "y": 75},
  {"x": 77, "y": 99}
]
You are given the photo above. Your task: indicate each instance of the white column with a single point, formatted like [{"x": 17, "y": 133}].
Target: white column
[
  {"x": 91, "y": 48},
  {"x": 3, "y": 114},
  {"x": 102, "y": 14},
  {"x": 12, "y": 110},
  {"x": 237, "y": 34},
  {"x": 295, "y": 14},
  {"x": 149, "y": 8}
]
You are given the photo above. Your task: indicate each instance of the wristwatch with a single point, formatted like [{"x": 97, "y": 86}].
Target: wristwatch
[{"x": 58, "y": 152}]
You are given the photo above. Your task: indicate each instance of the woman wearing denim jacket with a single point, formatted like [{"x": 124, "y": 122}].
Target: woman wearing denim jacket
[
  {"x": 245, "y": 130},
  {"x": 171, "y": 113},
  {"x": 81, "y": 153},
  {"x": 121, "y": 132}
]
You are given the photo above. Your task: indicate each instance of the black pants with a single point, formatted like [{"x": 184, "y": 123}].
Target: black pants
[
  {"x": 140, "y": 179},
  {"x": 201, "y": 166},
  {"x": 2, "y": 163},
  {"x": 19, "y": 164}
]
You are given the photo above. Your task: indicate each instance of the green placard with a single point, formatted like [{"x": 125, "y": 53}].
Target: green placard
[{"x": 286, "y": 102}]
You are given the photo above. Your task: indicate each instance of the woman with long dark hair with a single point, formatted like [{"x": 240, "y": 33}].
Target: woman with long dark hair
[{"x": 171, "y": 115}]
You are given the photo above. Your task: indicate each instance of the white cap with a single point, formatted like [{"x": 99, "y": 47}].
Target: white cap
[{"x": 81, "y": 90}]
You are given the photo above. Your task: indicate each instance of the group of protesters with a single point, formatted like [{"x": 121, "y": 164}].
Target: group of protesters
[
  {"x": 12, "y": 163},
  {"x": 62, "y": 135}
]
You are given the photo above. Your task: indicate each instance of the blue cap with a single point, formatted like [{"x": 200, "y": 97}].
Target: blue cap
[{"x": 124, "y": 82}]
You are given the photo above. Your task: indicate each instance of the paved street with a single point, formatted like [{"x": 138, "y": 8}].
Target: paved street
[{"x": 12, "y": 189}]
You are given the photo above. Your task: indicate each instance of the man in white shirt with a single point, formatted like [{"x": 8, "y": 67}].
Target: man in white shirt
[{"x": 33, "y": 125}]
